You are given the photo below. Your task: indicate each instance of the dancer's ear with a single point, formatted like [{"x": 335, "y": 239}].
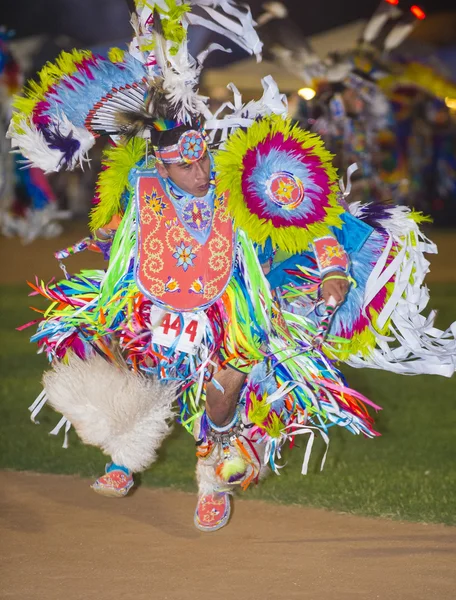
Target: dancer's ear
[{"x": 162, "y": 171}]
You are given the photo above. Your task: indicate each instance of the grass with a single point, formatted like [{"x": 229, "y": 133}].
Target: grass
[{"x": 408, "y": 473}]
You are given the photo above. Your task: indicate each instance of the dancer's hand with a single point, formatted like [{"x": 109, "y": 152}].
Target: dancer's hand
[
  {"x": 334, "y": 284},
  {"x": 113, "y": 224},
  {"x": 107, "y": 232}
]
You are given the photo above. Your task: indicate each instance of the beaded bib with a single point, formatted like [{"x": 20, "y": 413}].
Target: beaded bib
[{"x": 172, "y": 268}]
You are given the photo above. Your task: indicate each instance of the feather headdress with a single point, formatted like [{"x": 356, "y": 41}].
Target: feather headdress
[
  {"x": 153, "y": 86},
  {"x": 156, "y": 113}
]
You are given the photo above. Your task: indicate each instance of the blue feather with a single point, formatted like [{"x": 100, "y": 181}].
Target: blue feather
[
  {"x": 279, "y": 160},
  {"x": 76, "y": 103}
]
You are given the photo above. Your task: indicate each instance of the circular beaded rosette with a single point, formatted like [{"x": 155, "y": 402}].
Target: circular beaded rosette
[
  {"x": 192, "y": 146},
  {"x": 285, "y": 190},
  {"x": 281, "y": 184}
]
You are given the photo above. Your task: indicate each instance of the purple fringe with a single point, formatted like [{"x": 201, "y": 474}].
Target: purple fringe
[
  {"x": 373, "y": 213},
  {"x": 66, "y": 144}
]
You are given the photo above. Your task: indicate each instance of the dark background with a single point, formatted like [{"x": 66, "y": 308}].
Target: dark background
[{"x": 92, "y": 22}]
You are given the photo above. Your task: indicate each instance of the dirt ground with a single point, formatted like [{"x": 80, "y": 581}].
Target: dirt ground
[{"x": 60, "y": 541}]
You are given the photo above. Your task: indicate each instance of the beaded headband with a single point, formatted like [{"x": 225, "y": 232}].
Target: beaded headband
[{"x": 190, "y": 147}]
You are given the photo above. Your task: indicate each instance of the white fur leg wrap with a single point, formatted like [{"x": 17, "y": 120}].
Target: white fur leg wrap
[
  {"x": 123, "y": 413},
  {"x": 208, "y": 482}
]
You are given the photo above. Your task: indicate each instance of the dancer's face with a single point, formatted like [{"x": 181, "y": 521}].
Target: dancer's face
[{"x": 193, "y": 178}]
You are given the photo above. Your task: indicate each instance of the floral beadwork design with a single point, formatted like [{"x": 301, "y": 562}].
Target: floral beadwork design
[
  {"x": 169, "y": 223},
  {"x": 330, "y": 254},
  {"x": 172, "y": 285},
  {"x": 285, "y": 190},
  {"x": 197, "y": 286},
  {"x": 219, "y": 201},
  {"x": 146, "y": 215},
  {"x": 153, "y": 263},
  {"x": 155, "y": 202},
  {"x": 336, "y": 251},
  {"x": 212, "y": 511},
  {"x": 220, "y": 206},
  {"x": 115, "y": 483},
  {"x": 184, "y": 255},
  {"x": 173, "y": 265},
  {"x": 197, "y": 215}
]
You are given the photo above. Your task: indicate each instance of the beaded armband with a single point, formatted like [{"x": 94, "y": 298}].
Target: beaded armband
[{"x": 330, "y": 255}]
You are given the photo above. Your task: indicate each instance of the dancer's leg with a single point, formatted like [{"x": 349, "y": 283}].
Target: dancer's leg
[
  {"x": 221, "y": 403},
  {"x": 222, "y": 396}
]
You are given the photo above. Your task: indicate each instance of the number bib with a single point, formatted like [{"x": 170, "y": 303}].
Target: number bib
[{"x": 185, "y": 331}]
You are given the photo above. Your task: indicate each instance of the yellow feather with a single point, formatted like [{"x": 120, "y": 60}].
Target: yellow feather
[
  {"x": 258, "y": 410},
  {"x": 112, "y": 182},
  {"x": 50, "y": 74},
  {"x": 229, "y": 468},
  {"x": 274, "y": 426},
  {"x": 116, "y": 55},
  {"x": 420, "y": 76}
]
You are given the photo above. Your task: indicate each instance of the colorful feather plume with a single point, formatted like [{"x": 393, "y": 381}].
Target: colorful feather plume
[
  {"x": 379, "y": 325},
  {"x": 112, "y": 182},
  {"x": 281, "y": 184},
  {"x": 72, "y": 101},
  {"x": 421, "y": 77},
  {"x": 156, "y": 113}
]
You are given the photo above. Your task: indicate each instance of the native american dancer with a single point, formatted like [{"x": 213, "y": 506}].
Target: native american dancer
[{"x": 236, "y": 278}]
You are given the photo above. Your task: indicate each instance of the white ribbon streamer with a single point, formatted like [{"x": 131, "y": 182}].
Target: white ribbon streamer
[
  {"x": 37, "y": 405},
  {"x": 63, "y": 422},
  {"x": 305, "y": 429},
  {"x": 240, "y": 29},
  {"x": 346, "y": 190},
  {"x": 423, "y": 348},
  {"x": 243, "y": 115}
]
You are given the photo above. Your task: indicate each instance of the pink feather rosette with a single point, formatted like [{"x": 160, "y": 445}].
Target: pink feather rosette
[{"x": 281, "y": 184}]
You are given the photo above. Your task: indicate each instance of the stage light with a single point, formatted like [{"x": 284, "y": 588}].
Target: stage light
[
  {"x": 418, "y": 12},
  {"x": 307, "y": 93},
  {"x": 451, "y": 103},
  {"x": 393, "y": 2}
]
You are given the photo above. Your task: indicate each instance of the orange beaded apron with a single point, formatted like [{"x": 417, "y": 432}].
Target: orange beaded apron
[{"x": 173, "y": 269}]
